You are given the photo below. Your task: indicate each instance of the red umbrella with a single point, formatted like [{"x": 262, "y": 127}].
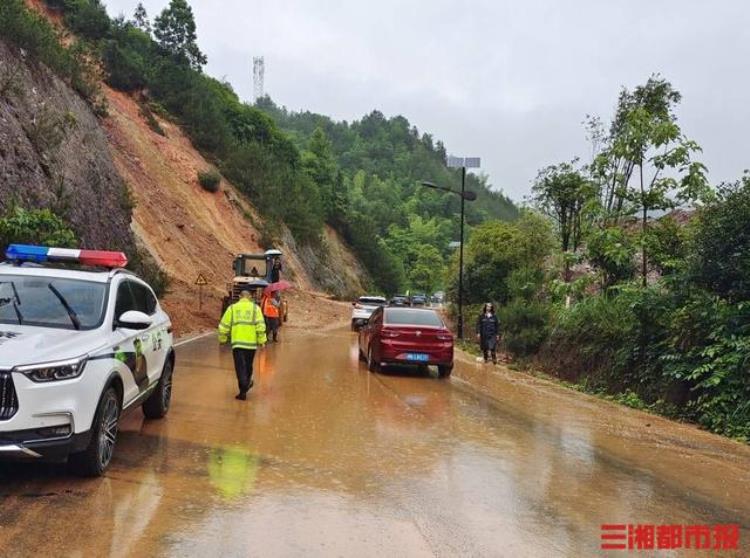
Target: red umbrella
[{"x": 277, "y": 286}]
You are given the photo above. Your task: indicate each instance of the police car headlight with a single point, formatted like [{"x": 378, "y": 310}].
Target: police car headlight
[{"x": 54, "y": 371}]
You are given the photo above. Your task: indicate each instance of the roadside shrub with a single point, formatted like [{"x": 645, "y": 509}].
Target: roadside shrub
[
  {"x": 34, "y": 226},
  {"x": 721, "y": 261},
  {"x": 586, "y": 340},
  {"x": 210, "y": 180},
  {"x": 523, "y": 326}
]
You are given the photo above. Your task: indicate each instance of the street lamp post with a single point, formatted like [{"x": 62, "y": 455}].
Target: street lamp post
[{"x": 463, "y": 163}]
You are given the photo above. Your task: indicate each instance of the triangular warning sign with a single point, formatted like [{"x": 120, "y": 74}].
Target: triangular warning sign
[{"x": 200, "y": 280}]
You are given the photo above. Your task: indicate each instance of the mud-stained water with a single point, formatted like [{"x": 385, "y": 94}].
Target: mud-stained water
[{"x": 327, "y": 459}]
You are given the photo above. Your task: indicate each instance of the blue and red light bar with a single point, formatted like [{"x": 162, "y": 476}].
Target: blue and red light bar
[{"x": 41, "y": 254}]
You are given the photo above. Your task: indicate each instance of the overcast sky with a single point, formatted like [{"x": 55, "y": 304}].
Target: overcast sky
[{"x": 510, "y": 82}]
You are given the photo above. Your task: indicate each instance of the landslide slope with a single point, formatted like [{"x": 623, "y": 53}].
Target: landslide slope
[
  {"x": 121, "y": 185},
  {"x": 190, "y": 231}
]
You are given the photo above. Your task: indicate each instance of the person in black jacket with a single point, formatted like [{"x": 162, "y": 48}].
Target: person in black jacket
[{"x": 488, "y": 332}]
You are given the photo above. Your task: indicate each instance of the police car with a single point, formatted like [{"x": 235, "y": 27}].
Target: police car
[{"x": 78, "y": 347}]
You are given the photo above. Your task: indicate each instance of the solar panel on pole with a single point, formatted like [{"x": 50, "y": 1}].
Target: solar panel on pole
[{"x": 455, "y": 162}]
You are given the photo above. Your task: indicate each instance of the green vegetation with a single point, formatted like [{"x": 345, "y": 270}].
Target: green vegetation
[
  {"x": 35, "y": 226},
  {"x": 368, "y": 173},
  {"x": 300, "y": 169},
  {"x": 209, "y": 180},
  {"x": 38, "y": 40},
  {"x": 653, "y": 312}
]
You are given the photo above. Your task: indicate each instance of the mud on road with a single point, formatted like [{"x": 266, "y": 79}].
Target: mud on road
[{"x": 326, "y": 458}]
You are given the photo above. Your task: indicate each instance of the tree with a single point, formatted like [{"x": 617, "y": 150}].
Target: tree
[
  {"x": 495, "y": 250},
  {"x": 427, "y": 272},
  {"x": 648, "y": 163},
  {"x": 562, "y": 192},
  {"x": 320, "y": 164},
  {"x": 176, "y": 32},
  {"x": 140, "y": 19}
]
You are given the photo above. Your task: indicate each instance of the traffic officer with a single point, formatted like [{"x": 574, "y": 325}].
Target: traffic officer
[{"x": 244, "y": 326}]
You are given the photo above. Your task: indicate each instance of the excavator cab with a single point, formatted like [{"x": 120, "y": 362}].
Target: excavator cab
[{"x": 252, "y": 272}]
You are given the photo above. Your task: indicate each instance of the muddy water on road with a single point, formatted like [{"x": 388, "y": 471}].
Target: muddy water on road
[{"x": 327, "y": 459}]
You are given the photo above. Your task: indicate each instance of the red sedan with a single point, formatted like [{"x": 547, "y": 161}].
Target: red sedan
[{"x": 402, "y": 335}]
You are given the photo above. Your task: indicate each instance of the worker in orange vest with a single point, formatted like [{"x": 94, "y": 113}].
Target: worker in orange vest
[{"x": 271, "y": 307}]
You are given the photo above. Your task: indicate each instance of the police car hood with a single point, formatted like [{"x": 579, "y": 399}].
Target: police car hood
[{"x": 21, "y": 345}]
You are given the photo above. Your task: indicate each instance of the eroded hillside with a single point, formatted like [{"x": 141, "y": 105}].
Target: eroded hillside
[
  {"x": 121, "y": 185},
  {"x": 190, "y": 231}
]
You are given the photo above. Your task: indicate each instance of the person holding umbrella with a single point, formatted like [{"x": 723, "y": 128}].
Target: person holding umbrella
[
  {"x": 488, "y": 332},
  {"x": 273, "y": 308},
  {"x": 272, "y": 312}
]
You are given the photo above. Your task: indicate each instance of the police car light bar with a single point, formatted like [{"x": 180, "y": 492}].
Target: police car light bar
[{"x": 41, "y": 254}]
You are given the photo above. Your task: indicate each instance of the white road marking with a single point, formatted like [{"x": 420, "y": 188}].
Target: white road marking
[{"x": 191, "y": 339}]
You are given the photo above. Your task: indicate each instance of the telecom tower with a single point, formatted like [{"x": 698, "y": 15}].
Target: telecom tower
[{"x": 259, "y": 71}]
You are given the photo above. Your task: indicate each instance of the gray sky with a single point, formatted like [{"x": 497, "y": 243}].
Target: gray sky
[{"x": 508, "y": 81}]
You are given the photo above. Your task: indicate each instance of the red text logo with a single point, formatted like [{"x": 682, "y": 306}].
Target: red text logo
[{"x": 622, "y": 536}]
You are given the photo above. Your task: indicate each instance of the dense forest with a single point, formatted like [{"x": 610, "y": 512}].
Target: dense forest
[
  {"x": 370, "y": 175},
  {"x": 300, "y": 170}
]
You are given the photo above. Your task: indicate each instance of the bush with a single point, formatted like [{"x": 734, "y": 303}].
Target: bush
[
  {"x": 612, "y": 251},
  {"x": 87, "y": 18},
  {"x": 35, "y": 226},
  {"x": 524, "y": 326},
  {"x": 35, "y": 35},
  {"x": 127, "y": 56},
  {"x": 721, "y": 261},
  {"x": 210, "y": 180}
]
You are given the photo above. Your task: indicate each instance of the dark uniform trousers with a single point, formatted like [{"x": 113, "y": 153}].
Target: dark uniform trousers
[{"x": 243, "y": 366}]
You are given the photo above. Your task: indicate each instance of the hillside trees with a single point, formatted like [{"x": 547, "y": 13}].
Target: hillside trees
[{"x": 175, "y": 31}]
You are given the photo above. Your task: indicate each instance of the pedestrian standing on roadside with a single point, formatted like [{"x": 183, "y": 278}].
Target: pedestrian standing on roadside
[
  {"x": 488, "y": 332},
  {"x": 272, "y": 312},
  {"x": 243, "y": 326}
]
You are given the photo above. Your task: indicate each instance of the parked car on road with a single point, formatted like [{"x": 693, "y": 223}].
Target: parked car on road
[
  {"x": 400, "y": 300},
  {"x": 419, "y": 300},
  {"x": 78, "y": 347},
  {"x": 363, "y": 307},
  {"x": 404, "y": 335}
]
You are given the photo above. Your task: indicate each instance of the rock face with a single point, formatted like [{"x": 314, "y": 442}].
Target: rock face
[{"x": 54, "y": 154}]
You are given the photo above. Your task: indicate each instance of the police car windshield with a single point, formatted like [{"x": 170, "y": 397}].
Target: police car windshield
[{"x": 51, "y": 302}]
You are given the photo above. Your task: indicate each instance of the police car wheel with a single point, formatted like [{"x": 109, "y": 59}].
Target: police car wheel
[
  {"x": 157, "y": 405},
  {"x": 94, "y": 460}
]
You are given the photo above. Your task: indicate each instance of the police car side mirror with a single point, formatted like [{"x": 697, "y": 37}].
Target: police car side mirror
[{"x": 132, "y": 319}]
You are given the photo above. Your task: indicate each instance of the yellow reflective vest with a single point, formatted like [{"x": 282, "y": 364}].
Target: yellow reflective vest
[{"x": 243, "y": 322}]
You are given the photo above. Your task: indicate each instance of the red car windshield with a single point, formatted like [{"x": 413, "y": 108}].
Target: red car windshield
[{"x": 408, "y": 316}]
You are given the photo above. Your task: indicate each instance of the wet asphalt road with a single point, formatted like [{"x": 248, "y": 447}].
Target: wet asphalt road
[{"x": 328, "y": 459}]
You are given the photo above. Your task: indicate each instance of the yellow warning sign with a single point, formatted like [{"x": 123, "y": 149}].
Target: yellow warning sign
[{"x": 200, "y": 280}]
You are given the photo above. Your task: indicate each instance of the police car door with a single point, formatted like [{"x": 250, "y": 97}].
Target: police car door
[
  {"x": 132, "y": 346},
  {"x": 154, "y": 341}
]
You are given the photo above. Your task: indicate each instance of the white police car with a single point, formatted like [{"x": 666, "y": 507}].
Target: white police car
[{"x": 77, "y": 348}]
